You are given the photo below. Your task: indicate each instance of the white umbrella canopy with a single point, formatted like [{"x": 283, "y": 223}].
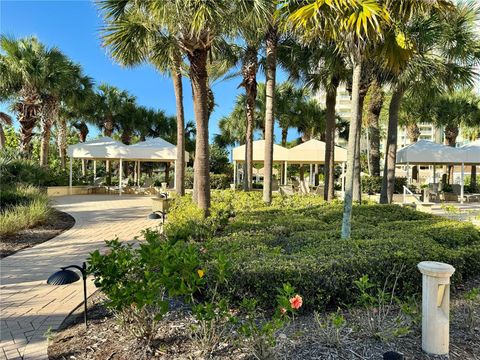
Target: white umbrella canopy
[
  {"x": 153, "y": 149},
  {"x": 429, "y": 153},
  {"x": 280, "y": 154},
  {"x": 472, "y": 152},
  {"x": 313, "y": 152},
  {"x": 101, "y": 148}
]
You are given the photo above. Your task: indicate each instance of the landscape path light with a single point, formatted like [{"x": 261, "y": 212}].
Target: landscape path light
[{"x": 66, "y": 276}]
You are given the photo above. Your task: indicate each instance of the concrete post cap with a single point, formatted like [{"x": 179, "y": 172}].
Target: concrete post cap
[{"x": 436, "y": 269}]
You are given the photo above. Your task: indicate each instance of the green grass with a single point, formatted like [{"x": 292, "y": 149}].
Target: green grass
[
  {"x": 297, "y": 240},
  {"x": 22, "y": 207}
]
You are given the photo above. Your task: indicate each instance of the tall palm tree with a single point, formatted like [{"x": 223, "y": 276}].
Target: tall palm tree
[
  {"x": 271, "y": 42},
  {"x": 443, "y": 51},
  {"x": 374, "y": 108},
  {"x": 354, "y": 26},
  {"x": 135, "y": 38},
  {"x": 62, "y": 78},
  {"x": 197, "y": 25},
  {"x": 5, "y": 119},
  {"x": 110, "y": 104},
  {"x": 22, "y": 65}
]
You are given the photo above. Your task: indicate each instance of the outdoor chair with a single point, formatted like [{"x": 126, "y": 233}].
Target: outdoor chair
[
  {"x": 304, "y": 187},
  {"x": 146, "y": 187},
  {"x": 467, "y": 197},
  {"x": 97, "y": 182},
  {"x": 286, "y": 190}
]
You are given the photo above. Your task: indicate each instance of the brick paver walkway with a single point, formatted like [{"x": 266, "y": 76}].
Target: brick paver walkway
[{"x": 28, "y": 306}]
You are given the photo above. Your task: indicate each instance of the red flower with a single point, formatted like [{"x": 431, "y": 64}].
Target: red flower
[{"x": 296, "y": 302}]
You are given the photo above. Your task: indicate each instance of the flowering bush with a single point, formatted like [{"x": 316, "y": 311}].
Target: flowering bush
[{"x": 137, "y": 281}]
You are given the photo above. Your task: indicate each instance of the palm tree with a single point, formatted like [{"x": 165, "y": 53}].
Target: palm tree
[
  {"x": 375, "y": 104},
  {"x": 354, "y": 25},
  {"x": 271, "y": 42},
  {"x": 197, "y": 25},
  {"x": 443, "y": 51},
  {"x": 22, "y": 65},
  {"x": 5, "y": 119},
  {"x": 134, "y": 38},
  {"x": 78, "y": 101},
  {"x": 62, "y": 78},
  {"x": 110, "y": 104}
]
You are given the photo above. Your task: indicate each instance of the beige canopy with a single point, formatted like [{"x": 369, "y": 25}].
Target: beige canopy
[
  {"x": 313, "y": 152},
  {"x": 280, "y": 154}
]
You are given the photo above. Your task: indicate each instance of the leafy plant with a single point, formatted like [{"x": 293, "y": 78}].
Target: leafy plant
[{"x": 332, "y": 328}]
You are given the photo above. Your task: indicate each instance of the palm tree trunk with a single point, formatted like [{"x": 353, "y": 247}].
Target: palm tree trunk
[
  {"x": 451, "y": 134},
  {"x": 388, "y": 181},
  {"x": 27, "y": 117},
  {"x": 270, "y": 74},
  {"x": 357, "y": 179},
  {"x": 330, "y": 103},
  {"x": 413, "y": 132},
  {"x": 45, "y": 141},
  {"x": 62, "y": 141},
  {"x": 249, "y": 72},
  {"x": 2, "y": 137},
  {"x": 199, "y": 77},
  {"x": 180, "y": 163},
  {"x": 473, "y": 179},
  {"x": 375, "y": 105},
  {"x": 352, "y": 144}
]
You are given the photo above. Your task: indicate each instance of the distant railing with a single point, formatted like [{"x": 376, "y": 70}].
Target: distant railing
[{"x": 406, "y": 191}]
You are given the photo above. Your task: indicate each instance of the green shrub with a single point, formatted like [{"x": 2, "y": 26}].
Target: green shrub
[
  {"x": 219, "y": 181},
  {"x": 297, "y": 240},
  {"x": 373, "y": 184},
  {"x": 22, "y": 207},
  {"x": 137, "y": 281}
]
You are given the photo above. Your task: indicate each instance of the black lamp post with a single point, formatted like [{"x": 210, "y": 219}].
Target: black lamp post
[{"x": 66, "y": 276}]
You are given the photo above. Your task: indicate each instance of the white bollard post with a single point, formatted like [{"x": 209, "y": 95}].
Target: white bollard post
[{"x": 435, "y": 306}]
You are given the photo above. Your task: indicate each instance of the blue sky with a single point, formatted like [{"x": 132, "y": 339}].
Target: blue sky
[{"x": 73, "y": 26}]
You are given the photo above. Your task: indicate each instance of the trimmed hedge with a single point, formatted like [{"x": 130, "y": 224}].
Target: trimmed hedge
[
  {"x": 297, "y": 240},
  {"x": 373, "y": 184}
]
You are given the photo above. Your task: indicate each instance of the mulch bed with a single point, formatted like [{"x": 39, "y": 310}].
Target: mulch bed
[
  {"x": 105, "y": 338},
  {"x": 57, "y": 223}
]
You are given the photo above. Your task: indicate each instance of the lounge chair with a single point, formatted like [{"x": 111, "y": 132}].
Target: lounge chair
[
  {"x": 304, "y": 187},
  {"x": 286, "y": 190},
  {"x": 146, "y": 187},
  {"x": 467, "y": 197}
]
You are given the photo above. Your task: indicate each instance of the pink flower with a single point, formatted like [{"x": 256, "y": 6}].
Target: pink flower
[
  {"x": 296, "y": 302},
  {"x": 283, "y": 310}
]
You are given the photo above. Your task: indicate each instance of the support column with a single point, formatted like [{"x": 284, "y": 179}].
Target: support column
[
  {"x": 139, "y": 175},
  {"x": 94, "y": 170},
  {"x": 343, "y": 179},
  {"x": 70, "y": 178},
  {"x": 235, "y": 173},
  {"x": 462, "y": 177},
  {"x": 175, "y": 176},
  {"x": 286, "y": 174},
  {"x": 434, "y": 174},
  {"x": 120, "y": 176},
  {"x": 408, "y": 173}
]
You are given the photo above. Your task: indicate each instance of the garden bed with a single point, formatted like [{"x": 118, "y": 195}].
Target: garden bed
[
  {"x": 56, "y": 223},
  {"x": 301, "y": 340}
]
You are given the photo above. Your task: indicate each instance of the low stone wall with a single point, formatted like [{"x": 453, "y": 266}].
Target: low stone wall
[{"x": 65, "y": 190}]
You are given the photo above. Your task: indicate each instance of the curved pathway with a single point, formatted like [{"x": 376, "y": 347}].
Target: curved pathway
[{"x": 28, "y": 306}]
